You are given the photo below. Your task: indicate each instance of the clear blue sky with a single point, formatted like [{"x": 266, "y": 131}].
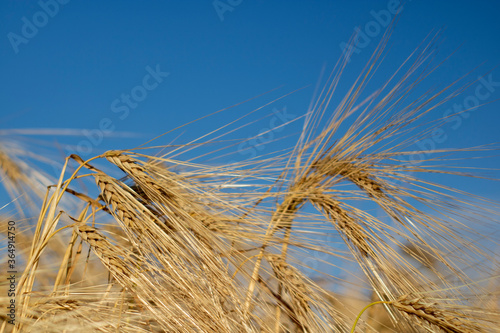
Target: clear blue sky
[{"x": 84, "y": 55}]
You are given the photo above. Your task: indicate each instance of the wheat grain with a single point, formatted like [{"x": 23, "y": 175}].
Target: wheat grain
[
  {"x": 341, "y": 219},
  {"x": 434, "y": 314},
  {"x": 110, "y": 256}
]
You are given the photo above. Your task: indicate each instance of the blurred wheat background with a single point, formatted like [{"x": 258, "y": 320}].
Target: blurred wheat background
[{"x": 369, "y": 207}]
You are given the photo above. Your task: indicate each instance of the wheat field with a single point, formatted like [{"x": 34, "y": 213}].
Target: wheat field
[{"x": 301, "y": 240}]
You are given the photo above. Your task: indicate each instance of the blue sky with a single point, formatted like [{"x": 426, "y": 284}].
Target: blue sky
[{"x": 73, "y": 69}]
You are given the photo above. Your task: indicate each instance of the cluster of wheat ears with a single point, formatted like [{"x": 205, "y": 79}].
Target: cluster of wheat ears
[{"x": 156, "y": 244}]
